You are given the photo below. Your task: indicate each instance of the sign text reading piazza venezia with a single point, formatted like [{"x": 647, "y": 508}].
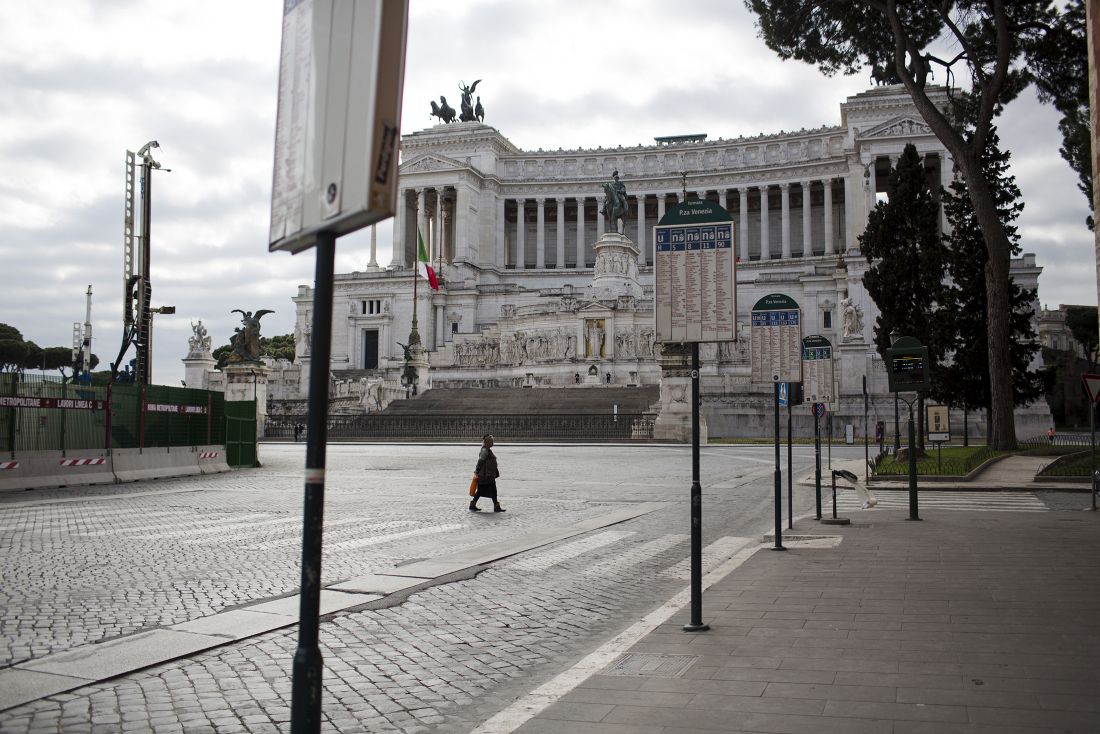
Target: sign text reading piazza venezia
[{"x": 532, "y": 296}]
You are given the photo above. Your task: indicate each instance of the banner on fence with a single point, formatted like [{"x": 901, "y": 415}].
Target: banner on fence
[{"x": 19, "y": 401}]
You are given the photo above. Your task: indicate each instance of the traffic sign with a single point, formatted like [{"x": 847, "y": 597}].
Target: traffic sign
[
  {"x": 819, "y": 410},
  {"x": 1092, "y": 386}
]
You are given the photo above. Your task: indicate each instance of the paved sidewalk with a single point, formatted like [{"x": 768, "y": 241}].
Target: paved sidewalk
[{"x": 963, "y": 622}]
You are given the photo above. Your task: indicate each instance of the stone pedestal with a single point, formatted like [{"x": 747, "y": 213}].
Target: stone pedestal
[
  {"x": 195, "y": 369},
  {"x": 616, "y": 271},
  {"x": 674, "y": 421},
  {"x": 248, "y": 381}
]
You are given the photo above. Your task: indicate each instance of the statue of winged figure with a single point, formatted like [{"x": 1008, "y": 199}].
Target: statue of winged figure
[
  {"x": 467, "y": 113},
  {"x": 246, "y": 338}
]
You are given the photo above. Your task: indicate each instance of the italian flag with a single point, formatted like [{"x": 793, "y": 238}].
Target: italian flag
[{"x": 422, "y": 263}]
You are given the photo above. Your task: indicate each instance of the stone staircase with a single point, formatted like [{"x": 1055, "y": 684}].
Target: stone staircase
[{"x": 529, "y": 401}]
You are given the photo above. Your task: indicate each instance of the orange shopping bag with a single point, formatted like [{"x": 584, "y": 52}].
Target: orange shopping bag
[{"x": 473, "y": 486}]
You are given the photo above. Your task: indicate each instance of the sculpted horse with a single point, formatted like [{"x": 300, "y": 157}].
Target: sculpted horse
[
  {"x": 443, "y": 111},
  {"x": 614, "y": 206}
]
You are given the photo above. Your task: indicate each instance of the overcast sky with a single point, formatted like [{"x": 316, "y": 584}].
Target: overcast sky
[{"x": 85, "y": 81}]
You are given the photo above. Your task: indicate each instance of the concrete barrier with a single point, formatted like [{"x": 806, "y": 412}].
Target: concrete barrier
[
  {"x": 131, "y": 465},
  {"x": 212, "y": 459},
  {"x": 38, "y": 469}
]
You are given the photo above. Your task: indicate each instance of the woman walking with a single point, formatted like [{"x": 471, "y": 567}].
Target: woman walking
[{"x": 486, "y": 473}]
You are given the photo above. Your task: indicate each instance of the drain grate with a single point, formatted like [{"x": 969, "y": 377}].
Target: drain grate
[{"x": 651, "y": 664}]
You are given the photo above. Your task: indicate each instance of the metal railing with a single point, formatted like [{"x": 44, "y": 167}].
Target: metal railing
[{"x": 505, "y": 427}]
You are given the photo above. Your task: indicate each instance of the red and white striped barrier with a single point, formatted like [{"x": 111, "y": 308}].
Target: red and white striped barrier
[
  {"x": 9, "y": 465},
  {"x": 208, "y": 455},
  {"x": 82, "y": 462}
]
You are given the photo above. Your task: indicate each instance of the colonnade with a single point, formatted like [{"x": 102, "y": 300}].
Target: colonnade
[
  {"x": 512, "y": 239},
  {"x": 814, "y": 217}
]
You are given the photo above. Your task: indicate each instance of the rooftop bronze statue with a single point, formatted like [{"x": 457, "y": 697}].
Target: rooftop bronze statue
[
  {"x": 443, "y": 111},
  {"x": 246, "y": 338},
  {"x": 467, "y": 114},
  {"x": 615, "y": 207}
]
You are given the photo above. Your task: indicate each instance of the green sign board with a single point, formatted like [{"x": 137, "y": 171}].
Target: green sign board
[{"x": 907, "y": 365}]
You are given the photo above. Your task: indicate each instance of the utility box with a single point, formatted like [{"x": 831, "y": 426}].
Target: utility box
[{"x": 337, "y": 131}]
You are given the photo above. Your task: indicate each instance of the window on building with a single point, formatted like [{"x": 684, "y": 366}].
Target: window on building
[
  {"x": 372, "y": 307},
  {"x": 827, "y": 319},
  {"x": 454, "y": 327}
]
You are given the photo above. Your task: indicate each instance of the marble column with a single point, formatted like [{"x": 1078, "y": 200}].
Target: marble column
[
  {"x": 437, "y": 230},
  {"x": 765, "y": 226},
  {"x": 521, "y": 234},
  {"x": 579, "y": 253},
  {"x": 661, "y": 206},
  {"x": 559, "y": 256},
  {"x": 540, "y": 233},
  {"x": 461, "y": 246},
  {"x": 421, "y": 224},
  {"x": 785, "y": 218},
  {"x": 397, "y": 249},
  {"x": 829, "y": 217},
  {"x": 641, "y": 230},
  {"x": 373, "y": 264},
  {"x": 743, "y": 222},
  {"x": 872, "y": 185},
  {"x": 807, "y": 226},
  {"x": 501, "y": 253}
]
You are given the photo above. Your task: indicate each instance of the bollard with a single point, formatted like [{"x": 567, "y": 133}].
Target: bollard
[{"x": 834, "y": 520}]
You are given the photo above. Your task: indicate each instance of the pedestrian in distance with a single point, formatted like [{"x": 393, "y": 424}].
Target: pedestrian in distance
[
  {"x": 486, "y": 472},
  {"x": 297, "y": 432},
  {"x": 1050, "y": 435}
]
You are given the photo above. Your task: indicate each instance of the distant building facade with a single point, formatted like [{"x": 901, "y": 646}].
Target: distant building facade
[{"x": 527, "y": 298}]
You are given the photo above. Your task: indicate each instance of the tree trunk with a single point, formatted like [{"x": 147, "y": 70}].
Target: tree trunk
[{"x": 1002, "y": 423}]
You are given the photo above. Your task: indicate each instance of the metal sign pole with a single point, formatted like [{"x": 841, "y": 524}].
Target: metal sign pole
[
  {"x": 817, "y": 464},
  {"x": 866, "y": 446},
  {"x": 305, "y": 707},
  {"x": 778, "y": 481},
  {"x": 790, "y": 473},
  {"x": 913, "y": 513},
  {"x": 696, "y": 624}
]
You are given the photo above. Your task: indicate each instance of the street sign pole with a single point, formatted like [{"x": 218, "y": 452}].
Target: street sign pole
[
  {"x": 696, "y": 624},
  {"x": 305, "y": 711},
  {"x": 866, "y": 446},
  {"x": 790, "y": 474},
  {"x": 778, "y": 481},
  {"x": 913, "y": 510}
]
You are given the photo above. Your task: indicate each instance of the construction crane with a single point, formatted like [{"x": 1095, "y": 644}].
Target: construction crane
[{"x": 136, "y": 289}]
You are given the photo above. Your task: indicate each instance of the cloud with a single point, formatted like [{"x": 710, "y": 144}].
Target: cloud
[{"x": 85, "y": 81}]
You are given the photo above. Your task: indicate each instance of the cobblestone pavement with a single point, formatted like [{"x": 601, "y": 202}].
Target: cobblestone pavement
[{"x": 134, "y": 557}]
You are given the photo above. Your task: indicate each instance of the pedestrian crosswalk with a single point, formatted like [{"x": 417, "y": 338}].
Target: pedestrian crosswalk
[{"x": 937, "y": 499}]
